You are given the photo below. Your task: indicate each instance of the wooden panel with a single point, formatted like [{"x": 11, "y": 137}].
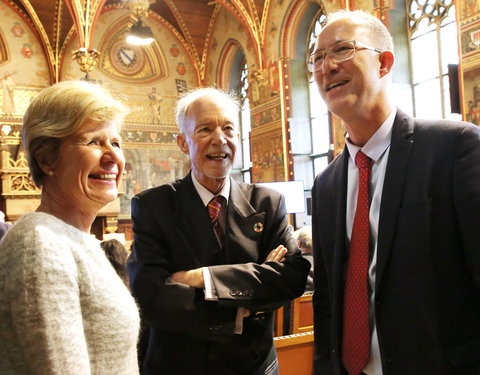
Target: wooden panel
[
  {"x": 295, "y": 354},
  {"x": 278, "y": 323},
  {"x": 302, "y": 314}
]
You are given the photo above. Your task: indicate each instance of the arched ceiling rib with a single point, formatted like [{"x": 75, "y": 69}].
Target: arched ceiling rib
[{"x": 193, "y": 20}]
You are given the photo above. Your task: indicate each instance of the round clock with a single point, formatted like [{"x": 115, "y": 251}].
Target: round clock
[{"x": 127, "y": 59}]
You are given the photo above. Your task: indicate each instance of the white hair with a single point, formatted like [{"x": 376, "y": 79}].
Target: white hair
[{"x": 192, "y": 96}]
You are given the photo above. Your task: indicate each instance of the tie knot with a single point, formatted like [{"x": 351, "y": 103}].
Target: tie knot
[
  {"x": 214, "y": 207},
  {"x": 362, "y": 160}
]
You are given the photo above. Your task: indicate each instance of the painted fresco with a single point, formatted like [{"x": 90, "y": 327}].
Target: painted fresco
[
  {"x": 268, "y": 162},
  {"x": 472, "y": 96}
]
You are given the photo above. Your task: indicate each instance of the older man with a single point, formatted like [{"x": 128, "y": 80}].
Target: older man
[
  {"x": 395, "y": 222},
  {"x": 213, "y": 258}
]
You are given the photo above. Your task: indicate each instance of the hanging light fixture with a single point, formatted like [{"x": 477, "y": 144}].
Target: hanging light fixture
[{"x": 139, "y": 34}]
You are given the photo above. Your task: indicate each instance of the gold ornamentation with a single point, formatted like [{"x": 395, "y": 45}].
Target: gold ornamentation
[
  {"x": 87, "y": 59},
  {"x": 259, "y": 86},
  {"x": 21, "y": 182},
  {"x": 138, "y": 7},
  {"x": 111, "y": 224}
]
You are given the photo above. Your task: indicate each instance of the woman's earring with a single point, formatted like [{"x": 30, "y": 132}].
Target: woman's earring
[{"x": 51, "y": 172}]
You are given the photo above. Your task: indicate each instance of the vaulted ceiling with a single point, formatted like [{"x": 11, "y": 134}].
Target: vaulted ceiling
[{"x": 56, "y": 21}]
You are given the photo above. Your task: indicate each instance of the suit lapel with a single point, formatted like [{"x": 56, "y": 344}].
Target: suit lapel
[
  {"x": 340, "y": 179},
  {"x": 244, "y": 226},
  {"x": 340, "y": 253},
  {"x": 393, "y": 187},
  {"x": 193, "y": 223}
]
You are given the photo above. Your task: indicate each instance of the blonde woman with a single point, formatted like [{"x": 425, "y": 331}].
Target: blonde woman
[{"x": 63, "y": 309}]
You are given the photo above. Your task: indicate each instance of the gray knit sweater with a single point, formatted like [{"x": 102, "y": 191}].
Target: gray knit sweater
[{"x": 63, "y": 309}]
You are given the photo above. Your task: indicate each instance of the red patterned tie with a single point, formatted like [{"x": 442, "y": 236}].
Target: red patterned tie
[
  {"x": 214, "y": 207},
  {"x": 356, "y": 330}
]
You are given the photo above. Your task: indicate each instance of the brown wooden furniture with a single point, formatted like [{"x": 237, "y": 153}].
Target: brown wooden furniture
[
  {"x": 295, "y": 354},
  {"x": 301, "y": 314},
  {"x": 278, "y": 323}
]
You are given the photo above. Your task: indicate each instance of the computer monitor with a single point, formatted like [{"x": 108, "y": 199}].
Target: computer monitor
[{"x": 293, "y": 193}]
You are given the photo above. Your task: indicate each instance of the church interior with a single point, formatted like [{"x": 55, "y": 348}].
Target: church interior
[{"x": 254, "y": 48}]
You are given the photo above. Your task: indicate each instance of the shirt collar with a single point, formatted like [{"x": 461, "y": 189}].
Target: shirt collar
[
  {"x": 378, "y": 143},
  {"x": 206, "y": 195}
]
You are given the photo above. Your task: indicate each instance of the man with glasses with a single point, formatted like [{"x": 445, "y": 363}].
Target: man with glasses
[{"x": 396, "y": 223}]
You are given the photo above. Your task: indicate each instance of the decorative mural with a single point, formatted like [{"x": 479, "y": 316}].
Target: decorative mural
[
  {"x": 472, "y": 95},
  {"x": 267, "y": 140},
  {"x": 469, "y": 31},
  {"x": 470, "y": 40},
  {"x": 468, "y": 8},
  {"x": 149, "y": 167},
  {"x": 266, "y": 115},
  {"x": 21, "y": 51},
  {"x": 268, "y": 162}
]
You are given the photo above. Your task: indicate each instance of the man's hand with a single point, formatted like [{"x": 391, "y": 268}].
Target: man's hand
[
  {"x": 192, "y": 278},
  {"x": 277, "y": 255}
]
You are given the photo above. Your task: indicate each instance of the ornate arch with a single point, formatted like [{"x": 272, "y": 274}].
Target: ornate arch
[
  {"x": 4, "y": 55},
  {"x": 295, "y": 27},
  {"x": 229, "y": 64}
]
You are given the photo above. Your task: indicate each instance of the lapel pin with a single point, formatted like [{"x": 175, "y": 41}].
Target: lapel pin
[{"x": 258, "y": 227}]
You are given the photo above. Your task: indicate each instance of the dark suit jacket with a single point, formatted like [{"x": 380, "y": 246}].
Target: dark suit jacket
[
  {"x": 173, "y": 232},
  {"x": 428, "y": 264}
]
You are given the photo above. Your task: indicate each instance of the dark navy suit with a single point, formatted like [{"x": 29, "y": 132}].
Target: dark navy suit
[
  {"x": 173, "y": 232},
  {"x": 428, "y": 254}
]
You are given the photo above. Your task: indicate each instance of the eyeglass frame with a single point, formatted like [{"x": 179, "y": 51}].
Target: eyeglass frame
[{"x": 328, "y": 51}]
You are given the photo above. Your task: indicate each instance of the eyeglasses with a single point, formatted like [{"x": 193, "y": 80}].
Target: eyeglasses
[{"x": 339, "y": 52}]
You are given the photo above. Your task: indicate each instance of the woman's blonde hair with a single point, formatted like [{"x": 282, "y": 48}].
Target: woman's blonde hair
[{"x": 58, "y": 112}]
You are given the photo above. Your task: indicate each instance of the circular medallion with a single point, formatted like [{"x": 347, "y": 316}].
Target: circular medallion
[
  {"x": 127, "y": 59},
  {"x": 258, "y": 227}
]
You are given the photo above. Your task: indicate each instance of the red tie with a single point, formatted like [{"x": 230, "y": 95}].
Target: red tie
[
  {"x": 214, "y": 207},
  {"x": 356, "y": 329}
]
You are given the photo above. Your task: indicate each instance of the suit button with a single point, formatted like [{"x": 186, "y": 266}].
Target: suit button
[{"x": 232, "y": 293}]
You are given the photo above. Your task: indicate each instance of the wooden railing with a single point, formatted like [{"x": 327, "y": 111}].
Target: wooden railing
[{"x": 295, "y": 349}]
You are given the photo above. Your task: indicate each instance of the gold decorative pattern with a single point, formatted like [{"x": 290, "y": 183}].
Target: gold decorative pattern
[
  {"x": 15, "y": 175},
  {"x": 188, "y": 37},
  {"x": 87, "y": 59}
]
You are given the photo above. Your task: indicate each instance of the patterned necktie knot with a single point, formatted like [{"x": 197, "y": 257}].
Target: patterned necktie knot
[
  {"x": 214, "y": 207},
  {"x": 362, "y": 161}
]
